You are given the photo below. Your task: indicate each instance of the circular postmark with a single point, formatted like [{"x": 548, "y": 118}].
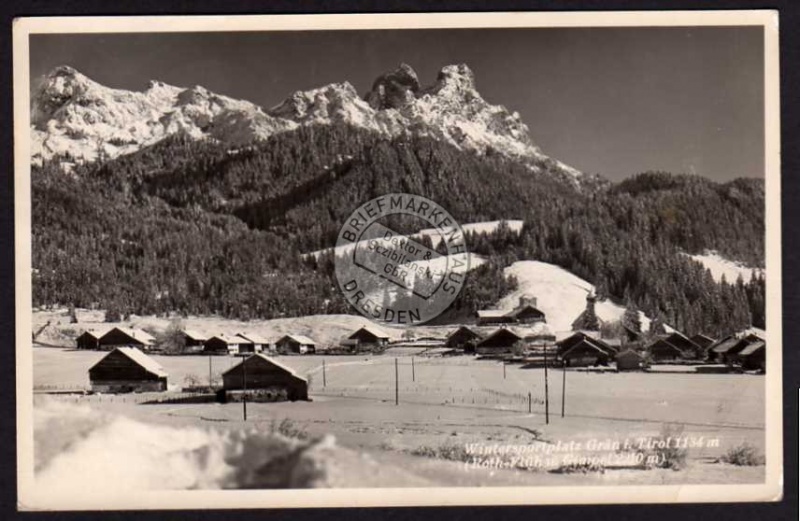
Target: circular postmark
[{"x": 398, "y": 278}]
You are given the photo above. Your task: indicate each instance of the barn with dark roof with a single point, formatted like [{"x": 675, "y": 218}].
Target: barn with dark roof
[
  {"x": 264, "y": 378},
  {"x": 127, "y": 369}
]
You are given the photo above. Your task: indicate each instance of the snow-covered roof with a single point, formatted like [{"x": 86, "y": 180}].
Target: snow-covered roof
[
  {"x": 376, "y": 332},
  {"x": 228, "y": 339},
  {"x": 492, "y": 313},
  {"x": 195, "y": 335},
  {"x": 725, "y": 345},
  {"x": 301, "y": 339},
  {"x": 254, "y": 338},
  {"x": 462, "y": 328},
  {"x": 270, "y": 360},
  {"x": 96, "y": 333},
  {"x": 500, "y": 331},
  {"x": 137, "y": 334},
  {"x": 150, "y": 365},
  {"x": 752, "y": 348},
  {"x": 588, "y": 342}
]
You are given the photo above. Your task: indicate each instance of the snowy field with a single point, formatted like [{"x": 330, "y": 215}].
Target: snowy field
[
  {"x": 720, "y": 266},
  {"x": 559, "y": 294},
  {"x": 443, "y": 402}
]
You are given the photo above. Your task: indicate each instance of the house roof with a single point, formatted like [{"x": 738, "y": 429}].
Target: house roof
[
  {"x": 665, "y": 342},
  {"x": 300, "y": 339},
  {"x": 195, "y": 335},
  {"x": 270, "y": 360},
  {"x": 141, "y": 359},
  {"x": 725, "y": 345},
  {"x": 375, "y": 332},
  {"x": 463, "y": 329},
  {"x": 519, "y": 309},
  {"x": 630, "y": 352},
  {"x": 702, "y": 340},
  {"x": 228, "y": 339},
  {"x": 241, "y": 339},
  {"x": 137, "y": 334},
  {"x": 493, "y": 313},
  {"x": 592, "y": 337},
  {"x": 254, "y": 338},
  {"x": 94, "y": 333},
  {"x": 681, "y": 341},
  {"x": 587, "y": 342},
  {"x": 500, "y": 331},
  {"x": 752, "y": 348}
]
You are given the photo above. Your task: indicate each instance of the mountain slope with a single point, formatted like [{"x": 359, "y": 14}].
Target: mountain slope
[{"x": 75, "y": 117}]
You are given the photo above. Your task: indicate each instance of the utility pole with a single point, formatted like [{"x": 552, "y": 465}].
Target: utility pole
[
  {"x": 324, "y": 379},
  {"x": 563, "y": 387},
  {"x": 396, "y": 384},
  {"x": 210, "y": 382},
  {"x": 546, "y": 390},
  {"x": 413, "y": 371},
  {"x": 244, "y": 387},
  {"x": 504, "y": 370},
  {"x": 529, "y": 402}
]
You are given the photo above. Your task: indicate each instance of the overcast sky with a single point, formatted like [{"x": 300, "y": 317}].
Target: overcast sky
[{"x": 613, "y": 101}]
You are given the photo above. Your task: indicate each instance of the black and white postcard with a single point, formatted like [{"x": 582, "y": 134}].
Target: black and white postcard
[{"x": 377, "y": 260}]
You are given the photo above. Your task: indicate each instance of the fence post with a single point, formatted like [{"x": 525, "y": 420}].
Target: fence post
[
  {"x": 546, "y": 390},
  {"x": 396, "y": 384},
  {"x": 563, "y": 388},
  {"x": 529, "y": 402}
]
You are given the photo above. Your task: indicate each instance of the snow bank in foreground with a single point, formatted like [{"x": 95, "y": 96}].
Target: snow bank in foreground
[
  {"x": 719, "y": 266},
  {"x": 79, "y": 449}
]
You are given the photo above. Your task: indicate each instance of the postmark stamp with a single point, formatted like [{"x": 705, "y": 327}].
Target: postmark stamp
[{"x": 396, "y": 278}]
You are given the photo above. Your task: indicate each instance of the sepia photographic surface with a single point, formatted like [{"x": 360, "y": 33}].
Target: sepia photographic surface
[{"x": 373, "y": 260}]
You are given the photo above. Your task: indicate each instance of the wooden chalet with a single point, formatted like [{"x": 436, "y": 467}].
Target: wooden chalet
[
  {"x": 717, "y": 351},
  {"x": 685, "y": 344},
  {"x": 728, "y": 352},
  {"x": 463, "y": 338},
  {"x": 583, "y": 350},
  {"x": 754, "y": 356},
  {"x": 193, "y": 338},
  {"x": 259, "y": 372},
  {"x": 258, "y": 342},
  {"x": 368, "y": 338},
  {"x": 126, "y": 337},
  {"x": 295, "y": 345},
  {"x": 89, "y": 340},
  {"x": 661, "y": 350},
  {"x": 245, "y": 346},
  {"x": 630, "y": 360},
  {"x": 526, "y": 312},
  {"x": 500, "y": 342},
  {"x": 222, "y": 344},
  {"x": 127, "y": 369}
]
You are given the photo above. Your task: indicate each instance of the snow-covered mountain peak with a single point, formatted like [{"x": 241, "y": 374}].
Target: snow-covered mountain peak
[
  {"x": 75, "y": 117},
  {"x": 395, "y": 89},
  {"x": 455, "y": 79}
]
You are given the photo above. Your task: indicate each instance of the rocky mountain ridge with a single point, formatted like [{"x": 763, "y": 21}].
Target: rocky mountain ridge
[{"x": 76, "y": 119}]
